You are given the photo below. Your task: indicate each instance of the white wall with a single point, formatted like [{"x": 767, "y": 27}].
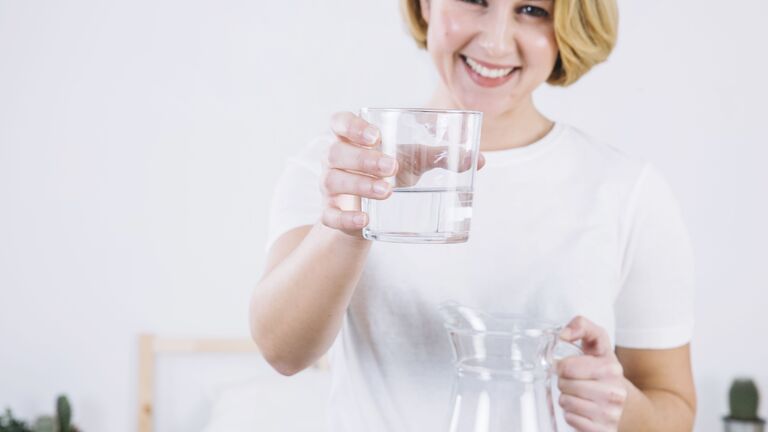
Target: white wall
[{"x": 139, "y": 142}]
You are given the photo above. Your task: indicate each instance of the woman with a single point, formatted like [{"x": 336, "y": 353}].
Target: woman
[{"x": 564, "y": 228}]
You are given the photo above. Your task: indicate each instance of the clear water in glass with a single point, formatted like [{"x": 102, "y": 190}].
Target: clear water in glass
[{"x": 420, "y": 215}]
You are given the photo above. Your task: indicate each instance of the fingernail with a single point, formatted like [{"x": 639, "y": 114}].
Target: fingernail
[
  {"x": 359, "y": 219},
  {"x": 386, "y": 164},
  {"x": 371, "y": 134},
  {"x": 380, "y": 188}
]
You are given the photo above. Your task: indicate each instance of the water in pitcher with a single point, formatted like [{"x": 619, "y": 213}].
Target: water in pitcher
[{"x": 420, "y": 215}]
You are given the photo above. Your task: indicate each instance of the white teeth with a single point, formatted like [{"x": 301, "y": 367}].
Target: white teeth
[{"x": 484, "y": 71}]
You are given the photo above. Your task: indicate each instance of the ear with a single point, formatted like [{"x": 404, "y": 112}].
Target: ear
[{"x": 424, "y": 6}]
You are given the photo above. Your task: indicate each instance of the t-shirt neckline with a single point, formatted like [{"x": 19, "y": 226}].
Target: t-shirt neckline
[{"x": 519, "y": 154}]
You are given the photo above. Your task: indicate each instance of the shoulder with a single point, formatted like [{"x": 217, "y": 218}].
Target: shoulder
[
  {"x": 316, "y": 146},
  {"x": 616, "y": 164},
  {"x": 645, "y": 193},
  {"x": 604, "y": 160},
  {"x": 309, "y": 155}
]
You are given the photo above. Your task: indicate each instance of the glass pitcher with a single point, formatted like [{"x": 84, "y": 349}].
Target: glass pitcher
[{"x": 504, "y": 368}]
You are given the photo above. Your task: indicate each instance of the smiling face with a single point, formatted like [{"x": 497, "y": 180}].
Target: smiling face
[{"x": 491, "y": 54}]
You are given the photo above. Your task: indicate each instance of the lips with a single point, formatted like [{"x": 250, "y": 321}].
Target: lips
[
  {"x": 487, "y": 74},
  {"x": 486, "y": 64}
]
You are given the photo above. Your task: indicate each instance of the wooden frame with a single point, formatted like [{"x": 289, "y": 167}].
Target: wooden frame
[{"x": 150, "y": 346}]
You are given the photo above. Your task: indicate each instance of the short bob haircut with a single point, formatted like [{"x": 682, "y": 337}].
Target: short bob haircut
[{"x": 585, "y": 31}]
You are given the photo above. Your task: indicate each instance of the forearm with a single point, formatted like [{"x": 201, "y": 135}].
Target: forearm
[
  {"x": 655, "y": 410},
  {"x": 298, "y": 308}
]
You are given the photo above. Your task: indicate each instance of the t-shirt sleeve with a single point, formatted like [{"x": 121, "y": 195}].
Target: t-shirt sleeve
[
  {"x": 654, "y": 308},
  {"x": 297, "y": 199}
]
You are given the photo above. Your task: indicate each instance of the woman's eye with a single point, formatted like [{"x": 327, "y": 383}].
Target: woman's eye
[
  {"x": 477, "y": 2},
  {"x": 533, "y": 11}
]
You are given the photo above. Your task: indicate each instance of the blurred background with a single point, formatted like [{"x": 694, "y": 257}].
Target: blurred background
[{"x": 140, "y": 142}]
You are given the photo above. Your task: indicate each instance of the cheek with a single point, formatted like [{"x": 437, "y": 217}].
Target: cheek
[
  {"x": 540, "y": 48},
  {"x": 453, "y": 26},
  {"x": 448, "y": 31}
]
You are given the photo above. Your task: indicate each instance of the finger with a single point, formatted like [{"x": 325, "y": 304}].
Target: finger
[
  {"x": 337, "y": 182},
  {"x": 466, "y": 161},
  {"x": 428, "y": 157},
  {"x": 354, "y": 129},
  {"x": 596, "y": 391},
  {"x": 408, "y": 168},
  {"x": 594, "y": 339},
  {"x": 583, "y": 407},
  {"x": 582, "y": 424},
  {"x": 589, "y": 367},
  {"x": 350, "y": 221},
  {"x": 349, "y": 157},
  {"x": 416, "y": 159}
]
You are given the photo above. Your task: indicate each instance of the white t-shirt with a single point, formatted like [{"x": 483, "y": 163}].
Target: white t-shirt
[{"x": 565, "y": 226}]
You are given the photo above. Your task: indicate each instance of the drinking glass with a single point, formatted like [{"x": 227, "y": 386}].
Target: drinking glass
[{"x": 437, "y": 152}]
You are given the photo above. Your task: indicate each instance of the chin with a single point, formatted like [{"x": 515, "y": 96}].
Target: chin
[{"x": 490, "y": 108}]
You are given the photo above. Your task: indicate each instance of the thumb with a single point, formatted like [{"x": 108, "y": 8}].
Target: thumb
[
  {"x": 594, "y": 339},
  {"x": 480, "y": 161},
  {"x": 466, "y": 161}
]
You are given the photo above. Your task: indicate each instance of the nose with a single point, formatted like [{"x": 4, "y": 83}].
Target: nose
[{"x": 497, "y": 38}]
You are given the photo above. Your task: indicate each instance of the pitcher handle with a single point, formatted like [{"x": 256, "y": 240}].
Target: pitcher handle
[{"x": 565, "y": 349}]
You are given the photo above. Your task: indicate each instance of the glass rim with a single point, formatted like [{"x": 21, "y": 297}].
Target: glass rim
[
  {"x": 422, "y": 110},
  {"x": 502, "y": 324},
  {"x": 532, "y": 331}
]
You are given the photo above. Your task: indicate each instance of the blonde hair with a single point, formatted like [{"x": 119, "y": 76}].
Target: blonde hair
[{"x": 585, "y": 31}]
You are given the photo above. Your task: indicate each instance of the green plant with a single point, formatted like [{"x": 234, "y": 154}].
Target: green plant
[
  {"x": 10, "y": 424},
  {"x": 63, "y": 414},
  {"x": 743, "y": 399},
  {"x": 61, "y": 422},
  {"x": 44, "y": 424}
]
